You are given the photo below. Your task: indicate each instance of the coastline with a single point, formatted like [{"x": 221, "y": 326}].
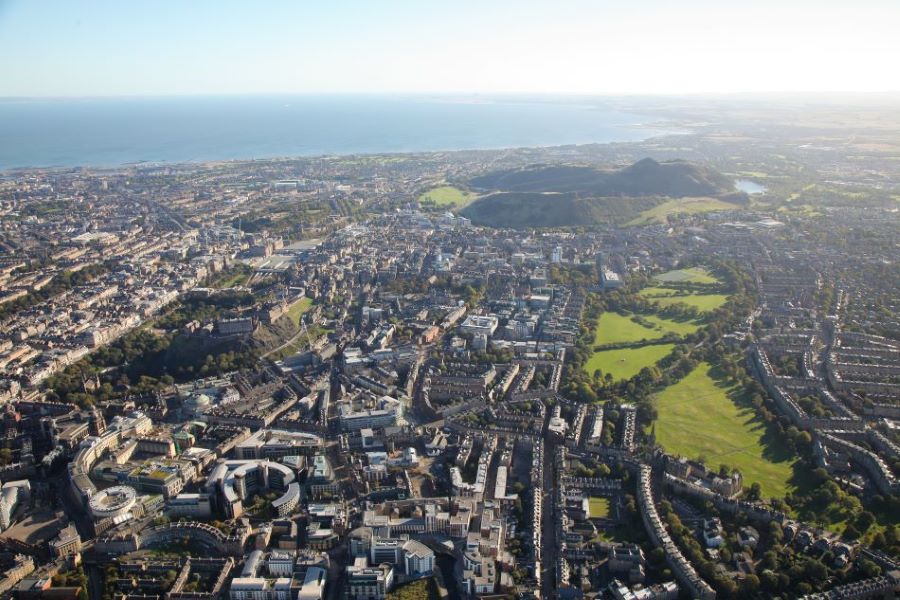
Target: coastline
[{"x": 112, "y": 134}]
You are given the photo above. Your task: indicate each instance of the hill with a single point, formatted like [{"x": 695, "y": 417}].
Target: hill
[
  {"x": 524, "y": 209},
  {"x": 565, "y": 196},
  {"x": 647, "y": 177}
]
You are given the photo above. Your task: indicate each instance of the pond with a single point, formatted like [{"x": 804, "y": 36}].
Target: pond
[{"x": 749, "y": 187}]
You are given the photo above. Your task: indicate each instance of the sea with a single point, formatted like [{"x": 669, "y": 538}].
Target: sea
[{"x": 109, "y": 132}]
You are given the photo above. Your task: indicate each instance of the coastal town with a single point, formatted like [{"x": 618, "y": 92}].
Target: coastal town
[{"x": 323, "y": 378}]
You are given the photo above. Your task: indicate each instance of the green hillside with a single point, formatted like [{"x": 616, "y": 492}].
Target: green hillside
[
  {"x": 647, "y": 177},
  {"x": 529, "y": 209},
  {"x": 567, "y": 196}
]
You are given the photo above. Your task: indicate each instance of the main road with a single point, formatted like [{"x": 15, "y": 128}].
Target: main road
[{"x": 549, "y": 518}]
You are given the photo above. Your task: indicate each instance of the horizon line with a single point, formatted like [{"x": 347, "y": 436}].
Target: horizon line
[{"x": 819, "y": 94}]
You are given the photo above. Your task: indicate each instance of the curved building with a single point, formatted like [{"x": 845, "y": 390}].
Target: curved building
[
  {"x": 113, "y": 503},
  {"x": 234, "y": 481}
]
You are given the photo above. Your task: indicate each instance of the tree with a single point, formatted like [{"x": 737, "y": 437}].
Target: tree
[
  {"x": 820, "y": 475},
  {"x": 750, "y": 584},
  {"x": 755, "y": 491},
  {"x": 769, "y": 581},
  {"x": 869, "y": 568},
  {"x": 865, "y": 520}
]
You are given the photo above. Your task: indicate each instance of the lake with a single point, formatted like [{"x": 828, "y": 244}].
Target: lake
[{"x": 749, "y": 187}]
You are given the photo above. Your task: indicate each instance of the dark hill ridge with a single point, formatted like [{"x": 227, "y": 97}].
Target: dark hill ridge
[
  {"x": 522, "y": 210},
  {"x": 567, "y": 196},
  {"x": 647, "y": 177}
]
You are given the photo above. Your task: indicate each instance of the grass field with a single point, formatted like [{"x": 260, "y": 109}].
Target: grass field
[
  {"x": 613, "y": 328},
  {"x": 676, "y": 327},
  {"x": 702, "y": 302},
  {"x": 666, "y": 296},
  {"x": 599, "y": 507},
  {"x": 627, "y": 362},
  {"x": 657, "y": 292},
  {"x": 447, "y": 195},
  {"x": 235, "y": 280},
  {"x": 702, "y": 417},
  {"x": 680, "y": 206},
  {"x": 689, "y": 275},
  {"x": 298, "y": 308}
]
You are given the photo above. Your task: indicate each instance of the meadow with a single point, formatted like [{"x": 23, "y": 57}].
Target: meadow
[
  {"x": 625, "y": 363},
  {"x": 689, "y": 275},
  {"x": 680, "y": 206},
  {"x": 702, "y": 302},
  {"x": 616, "y": 329},
  {"x": 297, "y": 309},
  {"x": 703, "y": 416},
  {"x": 613, "y": 328},
  {"x": 599, "y": 507},
  {"x": 449, "y": 196}
]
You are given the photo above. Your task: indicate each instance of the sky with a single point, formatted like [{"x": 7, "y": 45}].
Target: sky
[{"x": 178, "y": 47}]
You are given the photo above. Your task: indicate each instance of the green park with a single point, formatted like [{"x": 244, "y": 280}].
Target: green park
[{"x": 706, "y": 417}]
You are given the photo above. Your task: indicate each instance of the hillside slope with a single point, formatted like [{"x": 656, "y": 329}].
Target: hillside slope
[
  {"x": 524, "y": 209},
  {"x": 646, "y": 177},
  {"x": 564, "y": 196}
]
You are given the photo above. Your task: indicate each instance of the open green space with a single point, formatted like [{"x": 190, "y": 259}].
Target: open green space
[
  {"x": 680, "y": 206},
  {"x": 235, "y": 280},
  {"x": 670, "y": 326},
  {"x": 666, "y": 296},
  {"x": 447, "y": 195},
  {"x": 625, "y": 363},
  {"x": 613, "y": 328},
  {"x": 599, "y": 507},
  {"x": 702, "y": 302},
  {"x": 657, "y": 292},
  {"x": 703, "y": 416},
  {"x": 296, "y": 310},
  {"x": 299, "y": 343},
  {"x": 689, "y": 275}
]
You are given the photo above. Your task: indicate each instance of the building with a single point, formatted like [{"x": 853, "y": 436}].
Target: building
[
  {"x": 280, "y": 564},
  {"x": 274, "y": 444},
  {"x": 198, "y": 506},
  {"x": 610, "y": 280},
  {"x": 321, "y": 480},
  {"x": 388, "y": 412},
  {"x": 231, "y": 483},
  {"x": 12, "y": 494},
  {"x": 418, "y": 559},
  {"x": 313, "y": 586},
  {"x": 259, "y": 588},
  {"x": 238, "y": 326},
  {"x": 66, "y": 543},
  {"x": 478, "y": 324},
  {"x": 157, "y": 479},
  {"x": 368, "y": 583}
]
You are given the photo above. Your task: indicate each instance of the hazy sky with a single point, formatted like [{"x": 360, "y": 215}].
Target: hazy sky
[{"x": 116, "y": 47}]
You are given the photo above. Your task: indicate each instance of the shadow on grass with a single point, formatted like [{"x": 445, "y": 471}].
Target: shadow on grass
[{"x": 774, "y": 447}]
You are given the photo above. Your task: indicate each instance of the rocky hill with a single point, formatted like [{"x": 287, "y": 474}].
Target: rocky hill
[{"x": 561, "y": 195}]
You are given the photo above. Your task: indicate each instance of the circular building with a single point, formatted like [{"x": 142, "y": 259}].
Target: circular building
[{"x": 113, "y": 502}]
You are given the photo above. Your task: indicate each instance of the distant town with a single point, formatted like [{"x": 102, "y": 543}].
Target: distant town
[{"x": 374, "y": 377}]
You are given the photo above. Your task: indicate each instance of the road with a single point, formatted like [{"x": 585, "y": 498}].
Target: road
[{"x": 549, "y": 542}]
